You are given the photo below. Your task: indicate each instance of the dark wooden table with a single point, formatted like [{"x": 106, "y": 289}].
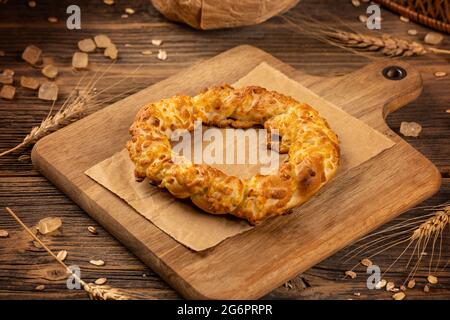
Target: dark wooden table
[{"x": 24, "y": 266}]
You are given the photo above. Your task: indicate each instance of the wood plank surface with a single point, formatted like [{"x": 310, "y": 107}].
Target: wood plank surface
[
  {"x": 22, "y": 266},
  {"x": 358, "y": 200}
]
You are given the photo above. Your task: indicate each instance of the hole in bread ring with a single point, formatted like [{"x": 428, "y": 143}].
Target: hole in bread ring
[{"x": 312, "y": 147}]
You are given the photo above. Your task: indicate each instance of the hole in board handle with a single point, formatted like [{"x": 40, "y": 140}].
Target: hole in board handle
[{"x": 394, "y": 73}]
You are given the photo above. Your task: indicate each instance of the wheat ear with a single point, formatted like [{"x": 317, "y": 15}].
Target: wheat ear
[
  {"x": 95, "y": 292},
  {"x": 76, "y": 104},
  {"x": 386, "y": 44},
  {"x": 356, "y": 42}
]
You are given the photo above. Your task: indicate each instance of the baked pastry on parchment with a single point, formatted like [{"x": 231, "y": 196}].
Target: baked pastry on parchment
[{"x": 312, "y": 148}]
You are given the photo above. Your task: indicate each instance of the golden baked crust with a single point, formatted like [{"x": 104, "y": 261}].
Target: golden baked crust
[{"x": 313, "y": 150}]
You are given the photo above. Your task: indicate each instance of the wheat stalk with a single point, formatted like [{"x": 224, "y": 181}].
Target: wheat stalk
[
  {"x": 95, "y": 292},
  {"x": 79, "y": 101},
  {"x": 416, "y": 233},
  {"x": 356, "y": 42},
  {"x": 386, "y": 44}
]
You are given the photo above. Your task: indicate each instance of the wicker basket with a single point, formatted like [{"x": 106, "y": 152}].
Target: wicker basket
[{"x": 432, "y": 13}]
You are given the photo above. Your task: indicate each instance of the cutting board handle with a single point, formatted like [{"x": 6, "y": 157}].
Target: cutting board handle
[{"x": 369, "y": 93}]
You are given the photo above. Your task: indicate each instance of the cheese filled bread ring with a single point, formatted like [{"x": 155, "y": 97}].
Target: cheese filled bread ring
[{"x": 312, "y": 148}]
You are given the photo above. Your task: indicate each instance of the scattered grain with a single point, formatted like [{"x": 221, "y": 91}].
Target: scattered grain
[
  {"x": 288, "y": 285},
  {"x": 4, "y": 234},
  {"x": 157, "y": 42},
  {"x": 98, "y": 263},
  {"x": 411, "y": 283},
  {"x": 40, "y": 287},
  {"x": 111, "y": 52},
  {"x": 87, "y": 45},
  {"x": 356, "y": 3},
  {"x": 440, "y": 74},
  {"x": 108, "y": 2},
  {"x": 92, "y": 230},
  {"x": 410, "y": 129},
  {"x": 29, "y": 83},
  {"x": 381, "y": 284},
  {"x": 62, "y": 255},
  {"x": 48, "y": 91},
  {"x": 162, "y": 55},
  {"x": 433, "y": 38},
  {"x": 366, "y": 262},
  {"x": 32, "y": 54},
  {"x": 102, "y": 41},
  {"x": 403, "y": 288},
  {"x": 350, "y": 274},
  {"x": 362, "y": 18},
  {"x": 24, "y": 158},
  {"x": 100, "y": 281},
  {"x": 412, "y": 32},
  {"x": 124, "y": 16},
  {"x": 50, "y": 71},
  {"x": 404, "y": 19},
  {"x": 399, "y": 296},
  {"x": 52, "y": 19},
  {"x": 390, "y": 286},
  {"x": 146, "y": 52},
  {"x": 357, "y": 294},
  {"x": 80, "y": 60},
  {"x": 432, "y": 279},
  {"x": 129, "y": 11},
  {"x": 36, "y": 244},
  {"x": 7, "y": 92},
  {"x": 426, "y": 288}
]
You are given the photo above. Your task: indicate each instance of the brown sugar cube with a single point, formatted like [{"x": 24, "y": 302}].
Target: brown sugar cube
[
  {"x": 50, "y": 71},
  {"x": 48, "y": 91},
  {"x": 87, "y": 45},
  {"x": 111, "y": 52},
  {"x": 29, "y": 83},
  {"x": 80, "y": 60},
  {"x": 31, "y": 54},
  {"x": 102, "y": 41},
  {"x": 7, "y": 92},
  {"x": 7, "y": 77}
]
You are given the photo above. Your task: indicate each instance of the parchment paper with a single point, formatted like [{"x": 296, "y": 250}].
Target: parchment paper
[{"x": 198, "y": 230}]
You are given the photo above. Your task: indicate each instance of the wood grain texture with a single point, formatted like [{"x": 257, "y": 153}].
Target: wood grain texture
[
  {"x": 34, "y": 197},
  {"x": 251, "y": 264}
]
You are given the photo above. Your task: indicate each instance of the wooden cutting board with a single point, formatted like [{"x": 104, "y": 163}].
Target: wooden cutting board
[{"x": 251, "y": 264}]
